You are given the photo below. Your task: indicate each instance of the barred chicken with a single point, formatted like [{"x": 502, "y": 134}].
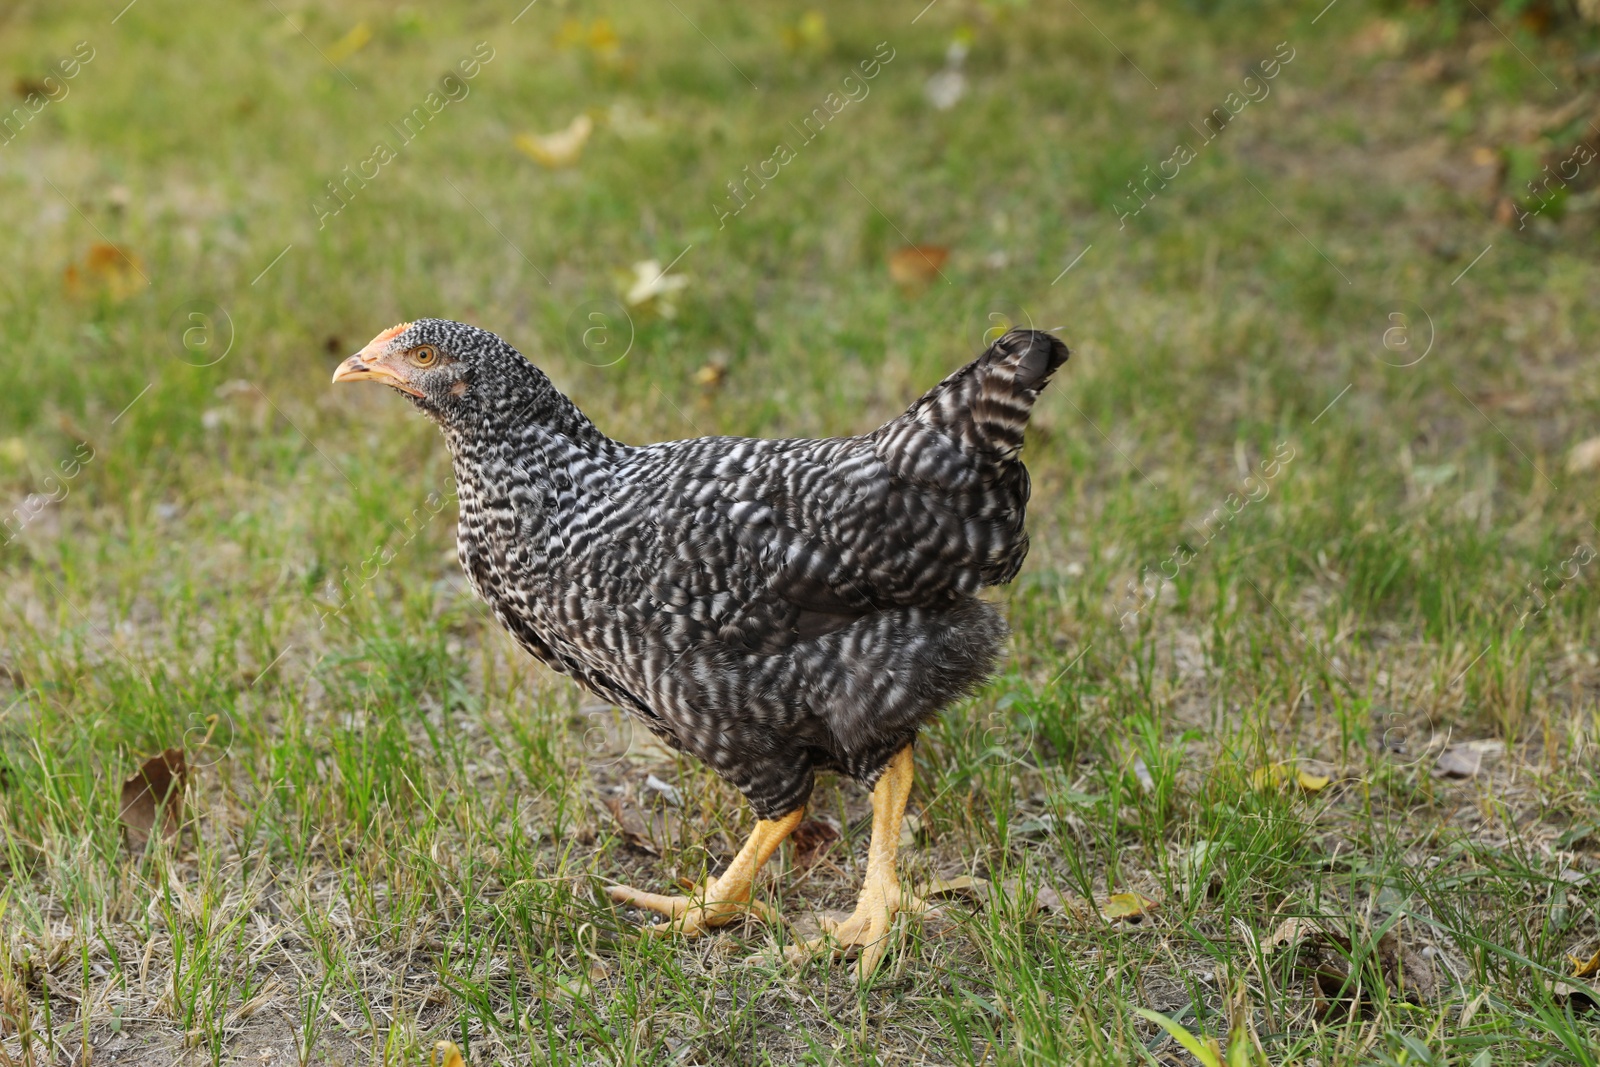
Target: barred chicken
[{"x": 773, "y": 607}]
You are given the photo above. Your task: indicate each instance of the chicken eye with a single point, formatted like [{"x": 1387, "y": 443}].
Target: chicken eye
[{"x": 425, "y": 356}]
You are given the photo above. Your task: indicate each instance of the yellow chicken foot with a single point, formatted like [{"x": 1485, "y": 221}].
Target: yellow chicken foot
[
  {"x": 881, "y": 899},
  {"x": 723, "y": 898}
]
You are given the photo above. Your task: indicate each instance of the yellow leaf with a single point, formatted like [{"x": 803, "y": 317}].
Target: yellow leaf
[
  {"x": 570, "y": 34},
  {"x": 809, "y": 34},
  {"x": 653, "y": 286},
  {"x": 1126, "y": 906},
  {"x": 559, "y": 149},
  {"x": 452, "y": 1055},
  {"x": 602, "y": 38},
  {"x": 1581, "y": 969},
  {"x": 1276, "y": 776},
  {"x": 350, "y": 43},
  {"x": 1312, "y": 783},
  {"x": 1272, "y": 776}
]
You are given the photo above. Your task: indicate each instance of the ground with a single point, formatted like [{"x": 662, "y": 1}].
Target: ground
[{"x": 1307, "y": 632}]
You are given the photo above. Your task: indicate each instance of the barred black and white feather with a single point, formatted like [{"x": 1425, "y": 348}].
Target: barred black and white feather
[{"x": 773, "y": 607}]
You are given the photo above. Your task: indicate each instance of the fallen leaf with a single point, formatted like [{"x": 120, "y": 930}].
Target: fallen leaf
[
  {"x": 1141, "y": 774},
  {"x": 985, "y": 893},
  {"x": 651, "y": 286},
  {"x": 1272, "y": 776},
  {"x": 107, "y": 268},
  {"x": 1130, "y": 907},
  {"x": 811, "y": 839},
  {"x": 810, "y": 34},
  {"x": 157, "y": 787},
  {"x": 451, "y": 1055},
  {"x": 1325, "y": 955},
  {"x": 651, "y": 832},
  {"x": 668, "y": 791},
  {"x": 712, "y": 374},
  {"x": 945, "y": 89},
  {"x": 598, "y": 38},
  {"x": 1276, "y": 776},
  {"x": 1586, "y": 968},
  {"x": 1464, "y": 760},
  {"x": 1380, "y": 35},
  {"x": 1291, "y": 932},
  {"x": 1513, "y": 403},
  {"x": 559, "y": 149},
  {"x": 350, "y": 43},
  {"x": 1310, "y": 783},
  {"x": 1580, "y": 998},
  {"x": 962, "y": 887},
  {"x": 1048, "y": 899},
  {"x": 1585, "y": 456},
  {"x": 917, "y": 265}
]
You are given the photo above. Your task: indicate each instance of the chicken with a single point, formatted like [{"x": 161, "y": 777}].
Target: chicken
[{"x": 773, "y": 607}]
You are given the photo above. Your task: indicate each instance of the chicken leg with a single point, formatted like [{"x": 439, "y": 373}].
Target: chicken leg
[
  {"x": 723, "y": 898},
  {"x": 880, "y": 900}
]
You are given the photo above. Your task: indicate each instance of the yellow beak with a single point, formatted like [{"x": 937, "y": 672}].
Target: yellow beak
[{"x": 358, "y": 369}]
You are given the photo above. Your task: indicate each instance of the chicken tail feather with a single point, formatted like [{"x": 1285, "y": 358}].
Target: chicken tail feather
[{"x": 986, "y": 404}]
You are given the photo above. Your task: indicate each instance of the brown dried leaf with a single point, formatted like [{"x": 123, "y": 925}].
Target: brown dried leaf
[
  {"x": 157, "y": 787},
  {"x": 650, "y": 832},
  {"x": 811, "y": 839},
  {"x": 712, "y": 374},
  {"x": 106, "y": 268},
  {"x": 1291, "y": 932},
  {"x": 1585, "y": 456},
  {"x": 1464, "y": 760},
  {"x": 963, "y": 887},
  {"x": 917, "y": 265},
  {"x": 1407, "y": 971},
  {"x": 983, "y": 892},
  {"x": 1325, "y": 954},
  {"x": 1579, "y": 997}
]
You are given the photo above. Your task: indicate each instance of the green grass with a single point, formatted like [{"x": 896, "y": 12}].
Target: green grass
[{"x": 397, "y": 825}]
